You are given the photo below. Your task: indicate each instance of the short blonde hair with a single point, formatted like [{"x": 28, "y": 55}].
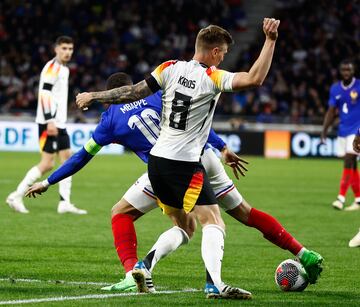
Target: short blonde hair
[{"x": 212, "y": 36}]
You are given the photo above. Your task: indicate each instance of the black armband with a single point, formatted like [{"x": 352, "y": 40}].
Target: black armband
[
  {"x": 152, "y": 84},
  {"x": 48, "y": 86}
]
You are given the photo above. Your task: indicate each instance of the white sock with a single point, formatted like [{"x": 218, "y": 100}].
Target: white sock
[
  {"x": 168, "y": 241},
  {"x": 128, "y": 274},
  {"x": 341, "y": 198},
  {"x": 212, "y": 251},
  {"x": 301, "y": 252},
  {"x": 65, "y": 189},
  {"x": 31, "y": 176}
]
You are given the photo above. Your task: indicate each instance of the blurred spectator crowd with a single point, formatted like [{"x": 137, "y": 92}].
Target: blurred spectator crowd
[
  {"x": 110, "y": 36},
  {"x": 134, "y": 36},
  {"x": 314, "y": 37}
]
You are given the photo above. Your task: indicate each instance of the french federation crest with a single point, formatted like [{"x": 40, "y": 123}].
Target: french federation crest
[{"x": 354, "y": 95}]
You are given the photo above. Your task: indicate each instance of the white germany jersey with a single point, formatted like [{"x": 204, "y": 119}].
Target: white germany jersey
[
  {"x": 190, "y": 93},
  {"x": 53, "y": 94}
]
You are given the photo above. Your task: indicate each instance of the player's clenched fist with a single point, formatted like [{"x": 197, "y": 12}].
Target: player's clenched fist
[
  {"x": 356, "y": 144},
  {"x": 83, "y": 100},
  {"x": 270, "y": 27}
]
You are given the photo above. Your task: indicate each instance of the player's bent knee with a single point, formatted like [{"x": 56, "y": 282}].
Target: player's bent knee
[
  {"x": 209, "y": 214},
  {"x": 124, "y": 207},
  {"x": 241, "y": 212},
  {"x": 230, "y": 200},
  {"x": 350, "y": 160},
  {"x": 191, "y": 225},
  {"x": 45, "y": 167}
]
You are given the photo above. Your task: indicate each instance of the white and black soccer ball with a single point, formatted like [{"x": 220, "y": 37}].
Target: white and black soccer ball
[{"x": 290, "y": 275}]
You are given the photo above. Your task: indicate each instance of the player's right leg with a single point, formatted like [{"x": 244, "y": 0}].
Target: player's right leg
[
  {"x": 47, "y": 162},
  {"x": 212, "y": 250},
  {"x": 137, "y": 201},
  {"x": 123, "y": 215}
]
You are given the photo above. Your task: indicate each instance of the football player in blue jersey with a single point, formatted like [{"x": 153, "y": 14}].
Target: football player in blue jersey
[
  {"x": 345, "y": 99},
  {"x": 136, "y": 126}
]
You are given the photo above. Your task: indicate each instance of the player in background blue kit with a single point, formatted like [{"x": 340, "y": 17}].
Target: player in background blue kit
[
  {"x": 345, "y": 99},
  {"x": 136, "y": 126}
]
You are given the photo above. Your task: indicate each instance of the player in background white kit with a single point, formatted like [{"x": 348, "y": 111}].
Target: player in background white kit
[{"x": 51, "y": 117}]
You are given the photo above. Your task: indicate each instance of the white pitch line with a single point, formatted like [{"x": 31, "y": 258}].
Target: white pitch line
[
  {"x": 89, "y": 297},
  {"x": 56, "y": 281}
]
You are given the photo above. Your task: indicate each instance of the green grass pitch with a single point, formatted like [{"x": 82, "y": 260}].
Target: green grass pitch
[{"x": 49, "y": 247}]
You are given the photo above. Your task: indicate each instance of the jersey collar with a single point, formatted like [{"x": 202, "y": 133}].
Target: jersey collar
[
  {"x": 202, "y": 64},
  {"x": 348, "y": 86}
]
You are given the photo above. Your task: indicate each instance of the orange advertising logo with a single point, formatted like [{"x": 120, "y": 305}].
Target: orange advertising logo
[{"x": 277, "y": 144}]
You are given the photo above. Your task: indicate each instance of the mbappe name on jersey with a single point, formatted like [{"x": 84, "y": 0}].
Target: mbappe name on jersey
[{"x": 133, "y": 105}]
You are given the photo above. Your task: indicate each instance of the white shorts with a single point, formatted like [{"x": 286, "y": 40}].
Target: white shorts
[
  {"x": 345, "y": 145},
  {"x": 141, "y": 196}
]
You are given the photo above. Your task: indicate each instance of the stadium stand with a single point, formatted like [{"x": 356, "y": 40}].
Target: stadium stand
[{"x": 132, "y": 37}]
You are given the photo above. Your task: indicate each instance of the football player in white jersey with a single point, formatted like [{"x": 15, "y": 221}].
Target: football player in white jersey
[
  {"x": 190, "y": 92},
  {"x": 51, "y": 117}
]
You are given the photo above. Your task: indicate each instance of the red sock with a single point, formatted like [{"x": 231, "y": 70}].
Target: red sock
[
  {"x": 273, "y": 231},
  {"x": 125, "y": 240},
  {"x": 345, "y": 181},
  {"x": 355, "y": 183}
]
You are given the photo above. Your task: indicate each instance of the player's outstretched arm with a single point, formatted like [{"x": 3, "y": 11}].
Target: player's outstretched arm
[
  {"x": 328, "y": 120},
  {"x": 127, "y": 93},
  {"x": 257, "y": 73},
  {"x": 75, "y": 163}
]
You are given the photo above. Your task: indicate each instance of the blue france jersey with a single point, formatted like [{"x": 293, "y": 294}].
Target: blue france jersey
[
  {"x": 135, "y": 125},
  {"x": 347, "y": 101}
]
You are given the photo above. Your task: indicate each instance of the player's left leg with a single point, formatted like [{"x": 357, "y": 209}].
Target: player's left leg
[
  {"x": 170, "y": 241},
  {"x": 273, "y": 231},
  {"x": 167, "y": 242},
  {"x": 64, "y": 152},
  {"x": 233, "y": 203},
  {"x": 346, "y": 151}
]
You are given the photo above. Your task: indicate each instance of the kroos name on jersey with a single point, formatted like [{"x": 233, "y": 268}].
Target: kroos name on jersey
[{"x": 187, "y": 83}]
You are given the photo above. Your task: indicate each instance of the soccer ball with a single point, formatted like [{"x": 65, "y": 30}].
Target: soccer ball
[{"x": 290, "y": 275}]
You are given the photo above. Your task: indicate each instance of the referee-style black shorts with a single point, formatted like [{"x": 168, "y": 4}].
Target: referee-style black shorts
[
  {"x": 52, "y": 144},
  {"x": 179, "y": 184}
]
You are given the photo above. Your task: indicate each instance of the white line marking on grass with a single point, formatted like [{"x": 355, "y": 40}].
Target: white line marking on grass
[
  {"x": 94, "y": 283},
  {"x": 89, "y": 297}
]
